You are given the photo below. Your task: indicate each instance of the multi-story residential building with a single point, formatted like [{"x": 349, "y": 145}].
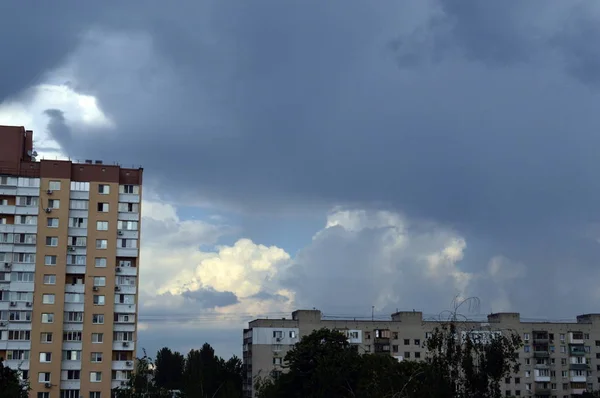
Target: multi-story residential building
[
  {"x": 558, "y": 359},
  {"x": 69, "y": 249}
]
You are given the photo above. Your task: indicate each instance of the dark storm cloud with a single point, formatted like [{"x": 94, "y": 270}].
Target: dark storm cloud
[
  {"x": 305, "y": 102},
  {"x": 270, "y": 103},
  {"x": 57, "y": 128},
  {"x": 210, "y": 298}
]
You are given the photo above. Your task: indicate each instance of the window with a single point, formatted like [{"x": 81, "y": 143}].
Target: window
[
  {"x": 52, "y": 222},
  {"x": 96, "y": 357},
  {"x": 98, "y": 299},
  {"x": 71, "y": 355},
  {"x": 99, "y": 281},
  {"x": 98, "y": 319},
  {"x": 43, "y": 395},
  {"x": 49, "y": 279},
  {"x": 562, "y": 337},
  {"x": 417, "y": 354},
  {"x": 101, "y": 243},
  {"x": 130, "y": 189},
  {"x": 26, "y": 220},
  {"x": 526, "y": 336},
  {"x": 80, "y": 186},
  {"x": 69, "y": 394},
  {"x": 72, "y": 336},
  {"x": 563, "y": 349},
  {"x": 127, "y": 225},
  {"x": 277, "y": 361},
  {"x": 563, "y": 361},
  {"x": 78, "y": 241},
  {"x": 528, "y": 373},
  {"x": 45, "y": 357},
  {"x": 586, "y": 336},
  {"x": 50, "y": 260},
  {"x": 293, "y": 334},
  {"x": 406, "y": 355},
  {"x": 19, "y": 335},
  {"x": 103, "y": 207},
  {"x": 526, "y": 348},
  {"x": 70, "y": 374},
  {"x": 74, "y": 317},
  {"x": 78, "y": 222},
  {"x": 100, "y": 262},
  {"x": 21, "y": 296},
  {"x": 44, "y": 377},
  {"x": 17, "y": 355},
  {"x": 127, "y": 243},
  {"x": 95, "y": 377},
  {"x": 406, "y": 341},
  {"x": 76, "y": 260},
  {"x": 47, "y": 318},
  {"x": 95, "y": 394},
  {"x": 22, "y": 276},
  {"x": 54, "y": 185},
  {"x": 54, "y": 203},
  {"x": 52, "y": 241},
  {"x": 47, "y": 298},
  {"x": 102, "y": 225},
  {"x": 103, "y": 189},
  {"x": 417, "y": 342},
  {"x": 16, "y": 316},
  {"x": 27, "y": 201},
  {"x": 129, "y": 208},
  {"x": 46, "y": 337},
  {"x": 79, "y": 204},
  {"x": 97, "y": 337}
]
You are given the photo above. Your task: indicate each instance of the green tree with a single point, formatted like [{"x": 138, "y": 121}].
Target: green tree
[
  {"x": 468, "y": 364},
  {"x": 168, "y": 373},
  {"x": 322, "y": 364},
  {"x": 141, "y": 383},
  {"x": 11, "y": 385},
  {"x": 206, "y": 375}
]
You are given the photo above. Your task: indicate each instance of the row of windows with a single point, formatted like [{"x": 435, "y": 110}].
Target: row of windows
[
  {"x": 69, "y": 394},
  {"x": 81, "y": 241},
  {"x": 95, "y": 377},
  {"x": 99, "y": 262},
  {"x": 72, "y": 336}
]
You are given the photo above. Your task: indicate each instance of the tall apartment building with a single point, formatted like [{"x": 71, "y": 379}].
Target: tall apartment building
[
  {"x": 558, "y": 360},
  {"x": 69, "y": 249}
]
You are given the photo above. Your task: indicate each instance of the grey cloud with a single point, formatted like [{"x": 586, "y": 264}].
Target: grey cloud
[
  {"x": 263, "y": 295},
  {"x": 210, "y": 298},
  {"x": 57, "y": 127},
  {"x": 280, "y": 104}
]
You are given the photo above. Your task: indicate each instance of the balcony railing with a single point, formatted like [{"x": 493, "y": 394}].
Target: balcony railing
[{"x": 541, "y": 354}]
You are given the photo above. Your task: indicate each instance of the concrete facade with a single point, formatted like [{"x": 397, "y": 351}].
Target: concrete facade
[
  {"x": 69, "y": 249},
  {"x": 558, "y": 359}
]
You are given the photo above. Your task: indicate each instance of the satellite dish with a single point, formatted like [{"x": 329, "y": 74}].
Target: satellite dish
[
  {"x": 34, "y": 153},
  {"x": 29, "y": 153}
]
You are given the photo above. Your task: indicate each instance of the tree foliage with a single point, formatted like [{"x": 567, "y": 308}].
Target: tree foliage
[
  {"x": 324, "y": 364},
  {"x": 169, "y": 369},
  {"x": 11, "y": 385},
  {"x": 201, "y": 374}
]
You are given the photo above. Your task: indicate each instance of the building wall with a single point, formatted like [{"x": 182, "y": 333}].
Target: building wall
[
  {"x": 69, "y": 275},
  {"x": 561, "y": 375}
]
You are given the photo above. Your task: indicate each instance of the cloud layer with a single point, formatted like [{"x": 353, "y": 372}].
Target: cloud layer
[{"x": 454, "y": 141}]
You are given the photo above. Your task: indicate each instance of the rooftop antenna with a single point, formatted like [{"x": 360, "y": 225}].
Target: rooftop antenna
[{"x": 372, "y": 313}]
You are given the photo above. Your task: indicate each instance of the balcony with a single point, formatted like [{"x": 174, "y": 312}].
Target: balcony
[
  {"x": 128, "y": 309},
  {"x": 22, "y": 364},
  {"x": 76, "y": 288},
  {"x": 576, "y": 338},
  {"x": 122, "y": 365},
  {"x": 129, "y": 198},
  {"x": 75, "y": 269},
  {"x": 127, "y": 252},
  {"x": 578, "y": 379},
  {"x": 579, "y": 366},
  {"x": 70, "y": 384},
  {"x": 123, "y": 346},
  {"x": 79, "y": 195},
  {"x": 541, "y": 354},
  {"x": 577, "y": 351},
  {"x": 126, "y": 271},
  {"x": 129, "y": 216},
  {"x": 540, "y": 338},
  {"x": 27, "y": 210},
  {"x": 542, "y": 391},
  {"x": 70, "y": 365},
  {"x": 7, "y": 190},
  {"x": 7, "y": 209}
]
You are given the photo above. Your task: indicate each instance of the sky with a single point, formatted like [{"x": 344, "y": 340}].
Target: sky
[{"x": 339, "y": 155}]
